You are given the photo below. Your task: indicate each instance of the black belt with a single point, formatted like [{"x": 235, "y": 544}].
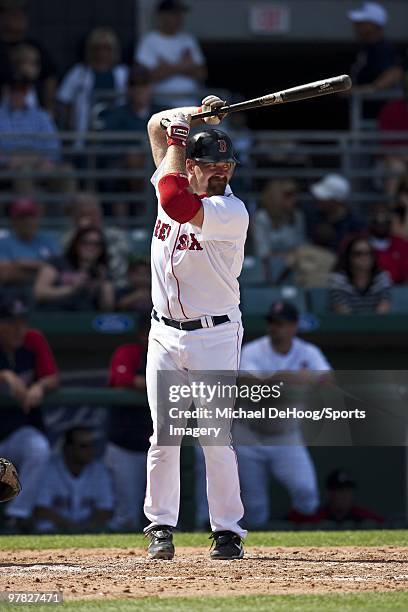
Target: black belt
[{"x": 190, "y": 325}]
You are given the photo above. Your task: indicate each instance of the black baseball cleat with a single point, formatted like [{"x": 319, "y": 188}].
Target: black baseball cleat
[
  {"x": 227, "y": 545},
  {"x": 161, "y": 542}
]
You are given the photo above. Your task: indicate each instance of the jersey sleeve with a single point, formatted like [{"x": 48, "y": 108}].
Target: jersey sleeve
[
  {"x": 316, "y": 360},
  {"x": 196, "y": 52},
  {"x": 248, "y": 363},
  {"x": 69, "y": 85},
  {"x": 225, "y": 218},
  {"x": 45, "y": 364}
]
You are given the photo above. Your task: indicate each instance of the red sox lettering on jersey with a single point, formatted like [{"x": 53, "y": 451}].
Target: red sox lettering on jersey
[{"x": 186, "y": 241}]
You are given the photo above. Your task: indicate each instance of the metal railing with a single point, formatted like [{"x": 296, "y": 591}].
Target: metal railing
[{"x": 100, "y": 164}]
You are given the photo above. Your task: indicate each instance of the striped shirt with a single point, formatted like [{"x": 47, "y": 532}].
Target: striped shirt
[{"x": 343, "y": 292}]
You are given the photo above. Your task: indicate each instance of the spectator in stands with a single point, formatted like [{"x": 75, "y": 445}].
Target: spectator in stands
[
  {"x": 278, "y": 225},
  {"x": 357, "y": 284},
  {"x": 134, "y": 115},
  {"x": 311, "y": 263},
  {"x": 394, "y": 118},
  {"x": 79, "y": 279},
  {"x": 174, "y": 58},
  {"x": 276, "y": 447},
  {"x": 23, "y": 251},
  {"x": 131, "y": 117},
  {"x": 86, "y": 211},
  {"x": 331, "y": 194},
  {"x": 340, "y": 506},
  {"x": 13, "y": 33},
  {"x": 399, "y": 225},
  {"x": 391, "y": 251},
  {"x": 91, "y": 86},
  {"x": 76, "y": 491},
  {"x": 27, "y": 373},
  {"x": 18, "y": 117},
  {"x": 136, "y": 296},
  {"x": 377, "y": 66},
  {"x": 130, "y": 429}
]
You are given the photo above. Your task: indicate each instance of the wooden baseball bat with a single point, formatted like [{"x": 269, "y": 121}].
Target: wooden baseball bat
[{"x": 301, "y": 92}]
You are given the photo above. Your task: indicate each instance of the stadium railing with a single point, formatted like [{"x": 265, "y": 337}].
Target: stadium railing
[{"x": 94, "y": 163}]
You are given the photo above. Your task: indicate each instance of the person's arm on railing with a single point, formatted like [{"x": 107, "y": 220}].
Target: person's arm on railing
[{"x": 45, "y": 291}]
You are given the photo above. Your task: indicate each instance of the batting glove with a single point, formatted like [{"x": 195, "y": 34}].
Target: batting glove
[
  {"x": 208, "y": 103},
  {"x": 178, "y": 131}
]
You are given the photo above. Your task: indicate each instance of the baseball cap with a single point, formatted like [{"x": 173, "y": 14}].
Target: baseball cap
[
  {"x": 24, "y": 207},
  {"x": 171, "y": 5},
  {"x": 283, "y": 311},
  {"x": 12, "y": 306},
  {"x": 369, "y": 11},
  {"x": 331, "y": 187},
  {"x": 339, "y": 478}
]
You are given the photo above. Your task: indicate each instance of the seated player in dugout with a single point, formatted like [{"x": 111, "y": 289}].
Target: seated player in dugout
[{"x": 197, "y": 254}]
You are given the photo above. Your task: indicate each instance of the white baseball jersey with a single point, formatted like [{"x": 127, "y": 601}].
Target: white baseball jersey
[
  {"x": 195, "y": 270},
  {"x": 74, "y": 497},
  {"x": 260, "y": 356}
]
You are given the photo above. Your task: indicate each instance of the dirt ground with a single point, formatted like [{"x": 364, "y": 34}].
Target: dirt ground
[{"x": 122, "y": 573}]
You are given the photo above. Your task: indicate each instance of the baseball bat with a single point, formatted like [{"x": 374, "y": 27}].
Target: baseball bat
[{"x": 301, "y": 92}]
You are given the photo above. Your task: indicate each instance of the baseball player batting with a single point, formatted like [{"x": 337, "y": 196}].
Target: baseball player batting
[{"x": 197, "y": 254}]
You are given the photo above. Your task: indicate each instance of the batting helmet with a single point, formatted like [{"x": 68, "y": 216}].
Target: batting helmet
[{"x": 210, "y": 146}]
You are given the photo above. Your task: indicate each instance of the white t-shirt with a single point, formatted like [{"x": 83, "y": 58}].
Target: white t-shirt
[
  {"x": 153, "y": 48},
  {"x": 74, "y": 498},
  {"x": 260, "y": 356},
  {"x": 77, "y": 86},
  {"x": 195, "y": 271}
]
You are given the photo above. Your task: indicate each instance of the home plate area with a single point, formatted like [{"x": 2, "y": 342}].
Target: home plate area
[{"x": 120, "y": 573}]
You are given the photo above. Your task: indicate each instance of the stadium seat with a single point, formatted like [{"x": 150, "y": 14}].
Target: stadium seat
[
  {"x": 257, "y": 300},
  {"x": 399, "y": 298},
  {"x": 318, "y": 300}
]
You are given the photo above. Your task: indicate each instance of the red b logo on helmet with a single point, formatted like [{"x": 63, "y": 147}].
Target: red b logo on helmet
[{"x": 222, "y": 146}]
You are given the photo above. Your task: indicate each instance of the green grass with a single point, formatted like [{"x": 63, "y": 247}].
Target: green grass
[
  {"x": 270, "y": 538},
  {"x": 367, "y": 602}
]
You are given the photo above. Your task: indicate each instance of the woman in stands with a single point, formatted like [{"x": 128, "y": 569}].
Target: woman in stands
[
  {"x": 78, "y": 280},
  {"x": 357, "y": 285}
]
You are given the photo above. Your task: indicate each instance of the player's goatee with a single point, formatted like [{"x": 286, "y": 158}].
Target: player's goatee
[{"x": 216, "y": 185}]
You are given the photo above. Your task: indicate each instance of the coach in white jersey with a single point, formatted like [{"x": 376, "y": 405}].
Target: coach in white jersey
[
  {"x": 280, "y": 452},
  {"x": 197, "y": 254}
]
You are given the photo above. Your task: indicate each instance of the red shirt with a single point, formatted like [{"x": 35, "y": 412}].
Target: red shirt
[
  {"x": 33, "y": 360},
  {"x": 130, "y": 426},
  {"x": 394, "y": 259},
  {"x": 394, "y": 118},
  {"x": 124, "y": 365}
]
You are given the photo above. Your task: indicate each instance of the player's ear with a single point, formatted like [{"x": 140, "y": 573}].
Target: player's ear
[{"x": 190, "y": 165}]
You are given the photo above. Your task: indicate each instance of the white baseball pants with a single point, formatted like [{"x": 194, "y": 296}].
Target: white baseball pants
[{"x": 182, "y": 353}]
